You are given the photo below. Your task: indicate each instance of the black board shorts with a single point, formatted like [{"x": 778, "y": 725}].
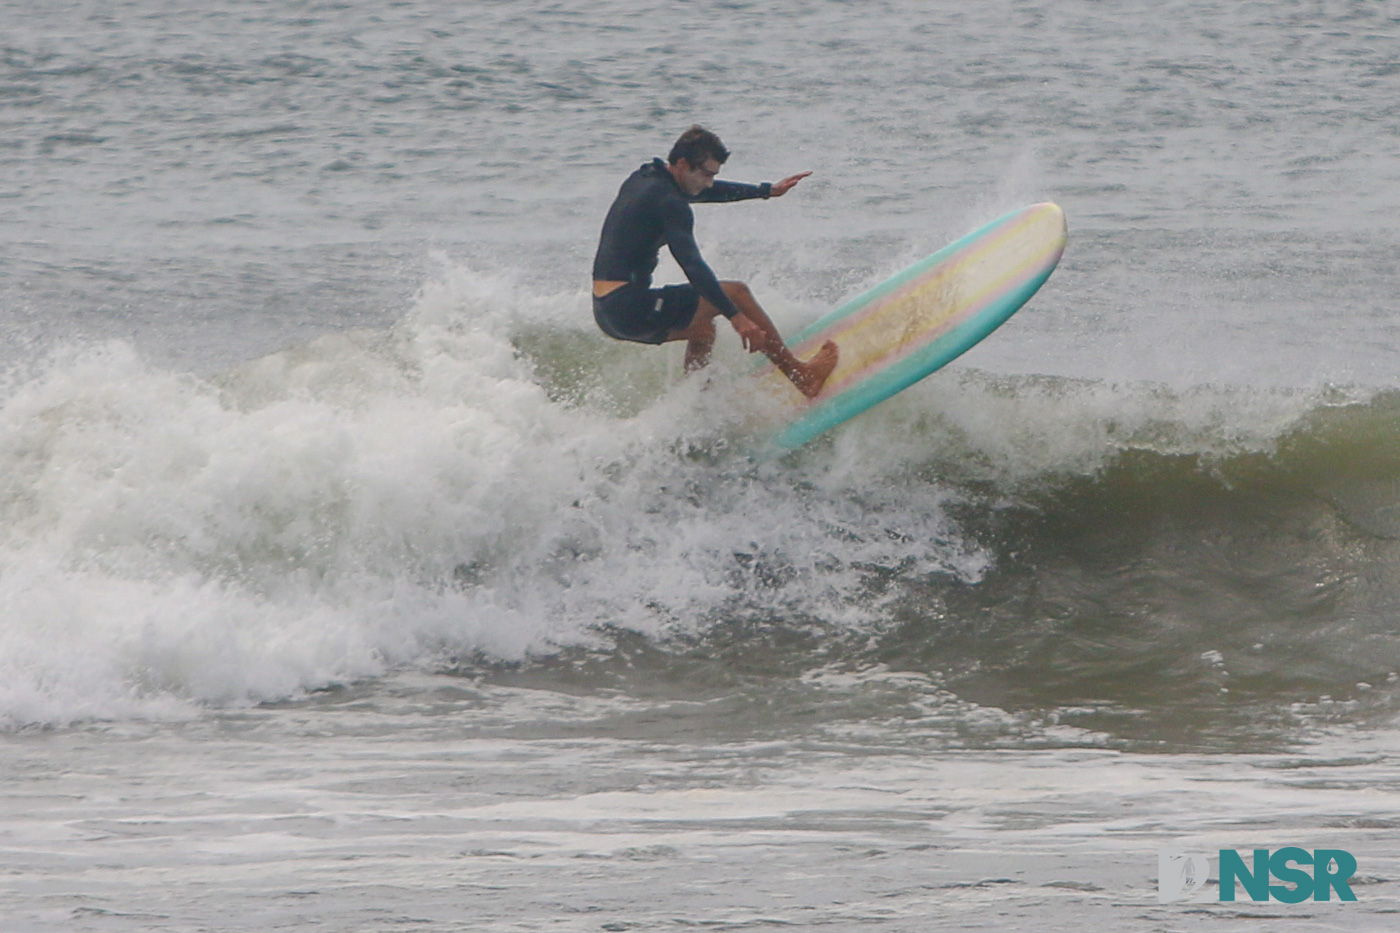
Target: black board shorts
[{"x": 645, "y": 315}]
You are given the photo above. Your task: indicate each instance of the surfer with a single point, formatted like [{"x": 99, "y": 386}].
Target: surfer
[{"x": 652, "y": 208}]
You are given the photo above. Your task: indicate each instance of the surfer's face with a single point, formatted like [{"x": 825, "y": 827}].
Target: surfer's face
[{"x": 694, "y": 179}]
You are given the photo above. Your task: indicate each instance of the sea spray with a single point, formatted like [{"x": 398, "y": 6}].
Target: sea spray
[{"x": 489, "y": 478}]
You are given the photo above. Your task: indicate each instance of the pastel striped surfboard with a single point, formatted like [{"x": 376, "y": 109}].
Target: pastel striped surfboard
[{"x": 921, "y": 319}]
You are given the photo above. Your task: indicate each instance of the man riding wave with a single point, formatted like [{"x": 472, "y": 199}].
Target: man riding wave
[{"x": 653, "y": 208}]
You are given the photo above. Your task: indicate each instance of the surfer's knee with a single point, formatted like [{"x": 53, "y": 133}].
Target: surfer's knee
[
  {"x": 702, "y": 328},
  {"x": 704, "y": 311},
  {"x": 737, "y": 291}
]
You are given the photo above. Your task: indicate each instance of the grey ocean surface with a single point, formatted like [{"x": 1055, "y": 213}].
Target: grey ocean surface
[{"x": 351, "y": 580}]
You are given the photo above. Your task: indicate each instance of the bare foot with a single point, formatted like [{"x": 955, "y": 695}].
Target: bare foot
[{"x": 815, "y": 371}]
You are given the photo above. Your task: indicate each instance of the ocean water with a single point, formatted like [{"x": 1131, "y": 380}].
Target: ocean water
[{"x": 351, "y": 580}]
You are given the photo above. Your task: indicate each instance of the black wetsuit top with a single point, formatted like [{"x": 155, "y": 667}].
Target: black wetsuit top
[{"x": 651, "y": 210}]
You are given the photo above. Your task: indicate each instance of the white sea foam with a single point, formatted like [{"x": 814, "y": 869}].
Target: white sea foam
[
  {"x": 375, "y": 499},
  {"x": 368, "y": 500},
  {"x": 289, "y": 525}
]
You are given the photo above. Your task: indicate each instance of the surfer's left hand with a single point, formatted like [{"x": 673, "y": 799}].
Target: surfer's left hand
[
  {"x": 781, "y": 188},
  {"x": 751, "y": 335}
]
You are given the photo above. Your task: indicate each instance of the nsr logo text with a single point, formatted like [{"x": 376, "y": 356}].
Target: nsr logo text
[{"x": 1181, "y": 875}]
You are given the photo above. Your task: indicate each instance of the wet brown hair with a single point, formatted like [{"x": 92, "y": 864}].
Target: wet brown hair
[{"x": 695, "y": 145}]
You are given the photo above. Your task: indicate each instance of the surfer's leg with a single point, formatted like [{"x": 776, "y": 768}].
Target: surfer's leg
[
  {"x": 699, "y": 336},
  {"x": 808, "y": 376},
  {"x": 700, "y": 341}
]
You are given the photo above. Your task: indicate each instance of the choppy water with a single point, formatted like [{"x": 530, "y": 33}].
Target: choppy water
[{"x": 349, "y": 579}]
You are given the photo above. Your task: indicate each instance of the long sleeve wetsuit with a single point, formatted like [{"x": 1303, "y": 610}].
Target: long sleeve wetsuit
[{"x": 651, "y": 210}]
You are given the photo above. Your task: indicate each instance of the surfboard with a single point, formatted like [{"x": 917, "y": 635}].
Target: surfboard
[{"x": 918, "y": 321}]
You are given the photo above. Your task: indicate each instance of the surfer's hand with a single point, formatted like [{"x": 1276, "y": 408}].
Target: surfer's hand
[
  {"x": 781, "y": 188},
  {"x": 755, "y": 338}
]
